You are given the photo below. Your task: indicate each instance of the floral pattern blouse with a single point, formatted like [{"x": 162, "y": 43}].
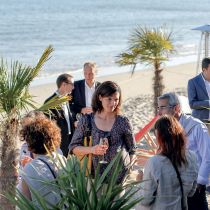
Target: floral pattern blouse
[{"x": 120, "y": 138}]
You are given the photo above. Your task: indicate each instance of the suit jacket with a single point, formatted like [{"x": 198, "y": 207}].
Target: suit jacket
[
  {"x": 78, "y": 97},
  {"x": 198, "y": 97},
  {"x": 59, "y": 117}
]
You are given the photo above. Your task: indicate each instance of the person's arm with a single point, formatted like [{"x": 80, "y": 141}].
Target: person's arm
[
  {"x": 193, "y": 98},
  {"x": 86, "y": 110},
  {"x": 95, "y": 150},
  {"x": 150, "y": 184},
  {"x": 129, "y": 139},
  {"x": 192, "y": 191},
  {"x": 202, "y": 141},
  {"x": 25, "y": 189}
]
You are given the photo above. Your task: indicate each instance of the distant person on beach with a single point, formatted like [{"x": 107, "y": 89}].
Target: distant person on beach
[
  {"x": 63, "y": 116},
  {"x": 83, "y": 91},
  {"x": 198, "y": 141},
  {"x": 199, "y": 93},
  {"x": 111, "y": 132},
  {"x": 42, "y": 135},
  {"x": 161, "y": 188}
]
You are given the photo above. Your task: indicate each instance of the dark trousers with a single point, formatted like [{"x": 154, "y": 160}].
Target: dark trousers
[
  {"x": 65, "y": 141},
  {"x": 198, "y": 201}
]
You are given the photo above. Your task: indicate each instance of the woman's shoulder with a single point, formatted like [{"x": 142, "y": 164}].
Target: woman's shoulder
[
  {"x": 42, "y": 162},
  {"x": 31, "y": 169},
  {"x": 156, "y": 160},
  {"x": 122, "y": 118}
]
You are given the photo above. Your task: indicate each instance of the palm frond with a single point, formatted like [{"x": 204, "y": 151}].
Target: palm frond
[
  {"x": 54, "y": 103},
  {"x": 14, "y": 83}
]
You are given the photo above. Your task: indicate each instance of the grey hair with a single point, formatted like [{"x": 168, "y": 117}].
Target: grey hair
[
  {"x": 91, "y": 65},
  {"x": 172, "y": 97}
]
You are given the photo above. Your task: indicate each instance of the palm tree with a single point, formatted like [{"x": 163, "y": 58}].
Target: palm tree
[
  {"x": 14, "y": 99},
  {"x": 150, "y": 46}
]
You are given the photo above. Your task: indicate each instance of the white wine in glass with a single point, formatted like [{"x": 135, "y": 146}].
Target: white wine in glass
[{"x": 103, "y": 141}]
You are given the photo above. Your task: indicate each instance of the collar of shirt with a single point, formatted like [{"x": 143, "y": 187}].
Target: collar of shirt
[
  {"x": 90, "y": 88},
  {"x": 207, "y": 83}
]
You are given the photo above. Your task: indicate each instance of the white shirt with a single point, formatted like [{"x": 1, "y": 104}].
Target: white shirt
[
  {"x": 89, "y": 94},
  {"x": 207, "y": 84},
  {"x": 198, "y": 142}
]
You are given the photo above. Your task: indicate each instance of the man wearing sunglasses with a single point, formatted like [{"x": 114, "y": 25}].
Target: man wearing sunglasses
[
  {"x": 198, "y": 141},
  {"x": 63, "y": 116}
]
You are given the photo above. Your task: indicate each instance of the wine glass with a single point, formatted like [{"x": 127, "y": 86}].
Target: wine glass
[{"x": 103, "y": 141}]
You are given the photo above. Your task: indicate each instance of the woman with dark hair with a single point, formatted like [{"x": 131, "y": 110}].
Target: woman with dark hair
[
  {"x": 170, "y": 176},
  {"x": 42, "y": 137},
  {"x": 106, "y": 123}
]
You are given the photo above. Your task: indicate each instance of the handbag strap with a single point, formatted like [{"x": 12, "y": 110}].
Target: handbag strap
[
  {"x": 47, "y": 164},
  {"x": 54, "y": 175},
  {"x": 181, "y": 185}
]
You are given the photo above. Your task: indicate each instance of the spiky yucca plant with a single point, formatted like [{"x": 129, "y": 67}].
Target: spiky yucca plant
[
  {"x": 83, "y": 192},
  {"x": 151, "y": 46},
  {"x": 14, "y": 99}
]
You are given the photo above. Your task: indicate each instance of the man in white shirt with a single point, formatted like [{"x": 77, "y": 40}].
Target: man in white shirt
[
  {"x": 198, "y": 142},
  {"x": 63, "y": 116},
  {"x": 84, "y": 90}
]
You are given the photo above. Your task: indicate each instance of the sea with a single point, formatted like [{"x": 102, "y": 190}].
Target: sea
[{"x": 94, "y": 30}]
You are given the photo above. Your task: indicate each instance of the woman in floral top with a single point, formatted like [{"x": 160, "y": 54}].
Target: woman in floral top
[{"x": 106, "y": 122}]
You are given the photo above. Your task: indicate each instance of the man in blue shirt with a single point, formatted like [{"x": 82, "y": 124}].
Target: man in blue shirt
[{"x": 198, "y": 141}]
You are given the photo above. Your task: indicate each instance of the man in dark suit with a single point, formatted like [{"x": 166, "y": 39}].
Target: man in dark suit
[
  {"x": 199, "y": 92},
  {"x": 83, "y": 91},
  {"x": 63, "y": 116}
]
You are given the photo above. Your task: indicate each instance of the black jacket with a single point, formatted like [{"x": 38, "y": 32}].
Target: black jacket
[
  {"x": 58, "y": 116},
  {"x": 78, "y": 97}
]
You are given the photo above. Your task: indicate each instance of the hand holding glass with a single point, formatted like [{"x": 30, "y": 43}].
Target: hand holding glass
[{"x": 103, "y": 141}]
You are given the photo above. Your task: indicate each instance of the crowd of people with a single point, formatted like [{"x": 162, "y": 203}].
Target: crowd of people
[{"x": 175, "y": 178}]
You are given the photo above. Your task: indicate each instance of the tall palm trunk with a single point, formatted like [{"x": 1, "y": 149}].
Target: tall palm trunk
[
  {"x": 9, "y": 154},
  {"x": 158, "y": 86}
]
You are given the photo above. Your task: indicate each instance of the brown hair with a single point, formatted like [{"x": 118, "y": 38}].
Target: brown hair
[
  {"x": 39, "y": 133},
  {"x": 171, "y": 139},
  {"x": 105, "y": 89},
  {"x": 63, "y": 78}
]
